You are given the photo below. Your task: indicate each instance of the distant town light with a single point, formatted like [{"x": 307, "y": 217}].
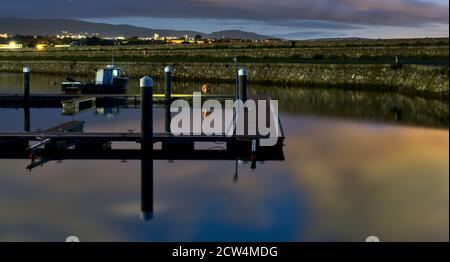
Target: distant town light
[
  {"x": 62, "y": 46},
  {"x": 40, "y": 47}
]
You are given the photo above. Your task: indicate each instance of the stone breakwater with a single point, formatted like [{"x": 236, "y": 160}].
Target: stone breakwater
[{"x": 409, "y": 79}]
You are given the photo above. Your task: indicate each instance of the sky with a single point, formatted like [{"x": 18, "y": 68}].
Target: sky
[{"x": 293, "y": 19}]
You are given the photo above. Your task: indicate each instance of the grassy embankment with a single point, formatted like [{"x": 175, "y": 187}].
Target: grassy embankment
[{"x": 420, "y": 51}]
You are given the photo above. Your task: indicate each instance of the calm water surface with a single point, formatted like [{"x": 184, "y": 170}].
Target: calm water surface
[{"x": 357, "y": 164}]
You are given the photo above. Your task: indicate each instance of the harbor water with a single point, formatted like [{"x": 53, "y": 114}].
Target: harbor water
[{"x": 357, "y": 164}]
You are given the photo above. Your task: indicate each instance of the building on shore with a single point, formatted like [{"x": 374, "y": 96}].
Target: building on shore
[
  {"x": 5, "y": 35},
  {"x": 11, "y": 45},
  {"x": 115, "y": 38},
  {"x": 79, "y": 36},
  {"x": 178, "y": 41}
]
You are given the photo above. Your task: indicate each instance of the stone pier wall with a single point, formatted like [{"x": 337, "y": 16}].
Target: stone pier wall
[{"x": 412, "y": 79}]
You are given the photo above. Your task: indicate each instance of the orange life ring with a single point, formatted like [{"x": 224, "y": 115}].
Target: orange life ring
[{"x": 205, "y": 88}]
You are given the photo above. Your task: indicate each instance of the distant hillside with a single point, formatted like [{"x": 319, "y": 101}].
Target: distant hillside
[
  {"x": 22, "y": 26},
  {"x": 237, "y": 34}
]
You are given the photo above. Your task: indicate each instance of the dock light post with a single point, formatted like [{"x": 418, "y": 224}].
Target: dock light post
[
  {"x": 168, "y": 83},
  {"x": 146, "y": 85},
  {"x": 243, "y": 84}
]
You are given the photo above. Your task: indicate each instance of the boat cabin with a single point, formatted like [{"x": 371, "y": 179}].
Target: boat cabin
[
  {"x": 109, "y": 80},
  {"x": 106, "y": 75}
]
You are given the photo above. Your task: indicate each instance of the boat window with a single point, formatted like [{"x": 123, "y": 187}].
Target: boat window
[
  {"x": 99, "y": 76},
  {"x": 115, "y": 72}
]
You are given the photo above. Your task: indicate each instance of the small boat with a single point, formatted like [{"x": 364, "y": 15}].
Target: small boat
[{"x": 109, "y": 80}]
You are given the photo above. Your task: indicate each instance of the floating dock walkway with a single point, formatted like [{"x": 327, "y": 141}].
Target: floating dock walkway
[
  {"x": 69, "y": 141},
  {"x": 56, "y": 100}
]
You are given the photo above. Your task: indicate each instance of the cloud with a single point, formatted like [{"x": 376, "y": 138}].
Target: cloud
[
  {"x": 316, "y": 24},
  {"x": 310, "y": 35},
  {"x": 368, "y": 12}
]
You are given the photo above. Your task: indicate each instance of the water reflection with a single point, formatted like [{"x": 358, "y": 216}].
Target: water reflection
[
  {"x": 26, "y": 119},
  {"x": 147, "y": 187},
  {"x": 340, "y": 182},
  {"x": 44, "y": 149},
  {"x": 352, "y": 105},
  {"x": 371, "y": 179},
  {"x": 108, "y": 112}
]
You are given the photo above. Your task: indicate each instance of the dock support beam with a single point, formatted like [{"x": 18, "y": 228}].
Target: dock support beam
[
  {"x": 168, "y": 83},
  {"x": 243, "y": 84},
  {"x": 146, "y": 84}
]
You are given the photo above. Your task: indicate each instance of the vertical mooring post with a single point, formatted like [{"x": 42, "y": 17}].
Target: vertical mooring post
[
  {"x": 243, "y": 84},
  {"x": 168, "y": 83},
  {"x": 26, "y": 98},
  {"x": 146, "y": 114},
  {"x": 167, "y": 118},
  {"x": 26, "y": 84},
  {"x": 146, "y": 85},
  {"x": 236, "y": 66}
]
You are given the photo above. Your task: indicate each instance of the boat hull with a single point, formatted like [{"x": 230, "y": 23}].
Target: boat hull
[{"x": 119, "y": 87}]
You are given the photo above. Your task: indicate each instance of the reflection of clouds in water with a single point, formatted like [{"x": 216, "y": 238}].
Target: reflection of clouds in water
[
  {"x": 392, "y": 182},
  {"x": 55, "y": 201},
  {"x": 192, "y": 201},
  {"x": 341, "y": 181}
]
